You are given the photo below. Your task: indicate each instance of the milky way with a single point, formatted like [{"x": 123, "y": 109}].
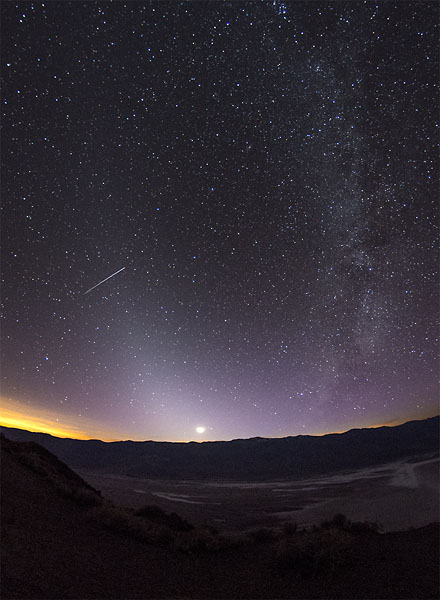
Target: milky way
[{"x": 266, "y": 174}]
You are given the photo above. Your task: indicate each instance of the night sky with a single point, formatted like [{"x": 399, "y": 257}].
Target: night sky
[{"x": 263, "y": 175}]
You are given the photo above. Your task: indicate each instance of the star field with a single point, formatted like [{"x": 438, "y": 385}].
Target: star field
[{"x": 264, "y": 174}]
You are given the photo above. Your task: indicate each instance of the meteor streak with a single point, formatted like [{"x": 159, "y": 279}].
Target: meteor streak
[{"x": 109, "y": 277}]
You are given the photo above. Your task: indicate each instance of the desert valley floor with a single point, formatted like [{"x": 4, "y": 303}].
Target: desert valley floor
[
  {"x": 398, "y": 495},
  {"x": 61, "y": 539}
]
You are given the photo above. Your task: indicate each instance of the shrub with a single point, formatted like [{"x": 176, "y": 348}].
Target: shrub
[
  {"x": 212, "y": 530},
  {"x": 126, "y": 523},
  {"x": 332, "y": 550},
  {"x": 232, "y": 540},
  {"x": 150, "y": 511},
  {"x": 314, "y": 550},
  {"x": 196, "y": 542},
  {"x": 341, "y": 522},
  {"x": 172, "y": 520},
  {"x": 193, "y": 544},
  {"x": 365, "y": 527},
  {"x": 80, "y": 496},
  {"x": 290, "y": 527},
  {"x": 262, "y": 535},
  {"x": 201, "y": 540}
]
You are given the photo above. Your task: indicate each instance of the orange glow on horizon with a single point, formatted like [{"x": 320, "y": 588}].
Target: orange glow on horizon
[
  {"x": 39, "y": 420},
  {"x": 37, "y": 426}
]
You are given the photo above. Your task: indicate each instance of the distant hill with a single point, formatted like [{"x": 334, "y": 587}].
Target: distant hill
[{"x": 252, "y": 459}]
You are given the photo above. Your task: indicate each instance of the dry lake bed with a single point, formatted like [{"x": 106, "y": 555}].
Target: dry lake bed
[{"x": 398, "y": 495}]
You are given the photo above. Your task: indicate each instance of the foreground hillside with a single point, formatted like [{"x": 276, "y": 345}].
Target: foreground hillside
[
  {"x": 254, "y": 459},
  {"x": 61, "y": 539}
]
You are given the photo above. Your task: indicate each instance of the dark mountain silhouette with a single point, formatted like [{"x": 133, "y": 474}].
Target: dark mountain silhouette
[
  {"x": 61, "y": 539},
  {"x": 251, "y": 459}
]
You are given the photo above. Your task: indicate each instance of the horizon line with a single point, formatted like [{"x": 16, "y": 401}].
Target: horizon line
[{"x": 82, "y": 436}]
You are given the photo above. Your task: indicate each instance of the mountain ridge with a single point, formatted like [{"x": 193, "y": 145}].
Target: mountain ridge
[
  {"x": 255, "y": 458},
  {"x": 254, "y": 438}
]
